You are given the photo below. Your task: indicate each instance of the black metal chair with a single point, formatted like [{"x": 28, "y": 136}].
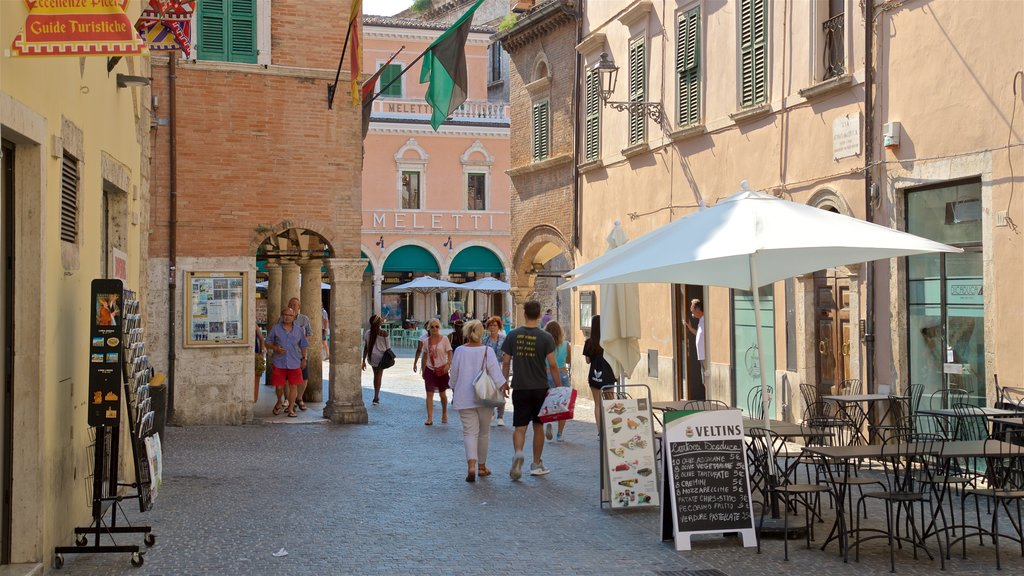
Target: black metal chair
[
  {"x": 705, "y": 405},
  {"x": 1004, "y": 485},
  {"x": 778, "y": 469},
  {"x": 755, "y": 406},
  {"x": 903, "y": 466},
  {"x": 899, "y": 424},
  {"x": 851, "y": 387}
]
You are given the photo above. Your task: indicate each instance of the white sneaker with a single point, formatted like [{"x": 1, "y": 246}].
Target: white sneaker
[
  {"x": 494, "y": 423},
  {"x": 501, "y": 421},
  {"x": 538, "y": 469},
  {"x": 517, "y": 467}
]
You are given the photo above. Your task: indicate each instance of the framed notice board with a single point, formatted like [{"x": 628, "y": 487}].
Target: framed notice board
[
  {"x": 216, "y": 309},
  {"x": 707, "y": 489}
]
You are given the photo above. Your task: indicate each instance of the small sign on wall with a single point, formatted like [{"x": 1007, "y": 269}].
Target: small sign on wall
[
  {"x": 216, "y": 309},
  {"x": 846, "y": 136}
]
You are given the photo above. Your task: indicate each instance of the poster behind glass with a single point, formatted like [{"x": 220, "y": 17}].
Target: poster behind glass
[{"x": 216, "y": 309}]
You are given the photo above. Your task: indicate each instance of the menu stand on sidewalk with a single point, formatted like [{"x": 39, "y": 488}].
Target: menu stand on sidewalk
[{"x": 117, "y": 365}]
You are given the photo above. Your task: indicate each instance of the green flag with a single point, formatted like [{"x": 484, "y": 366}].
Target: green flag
[{"x": 444, "y": 67}]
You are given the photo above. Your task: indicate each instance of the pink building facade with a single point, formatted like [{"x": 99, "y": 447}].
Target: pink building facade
[{"x": 434, "y": 203}]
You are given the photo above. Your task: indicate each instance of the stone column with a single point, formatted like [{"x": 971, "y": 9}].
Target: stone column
[
  {"x": 445, "y": 312},
  {"x": 508, "y": 304},
  {"x": 311, "y": 307},
  {"x": 273, "y": 292},
  {"x": 378, "y": 279},
  {"x": 289, "y": 282},
  {"x": 520, "y": 296},
  {"x": 345, "y": 396}
]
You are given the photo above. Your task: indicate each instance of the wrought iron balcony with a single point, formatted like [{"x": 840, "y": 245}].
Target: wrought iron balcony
[{"x": 834, "y": 57}]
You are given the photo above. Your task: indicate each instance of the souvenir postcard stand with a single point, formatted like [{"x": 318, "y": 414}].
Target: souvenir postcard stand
[
  {"x": 629, "y": 468},
  {"x": 117, "y": 366}
]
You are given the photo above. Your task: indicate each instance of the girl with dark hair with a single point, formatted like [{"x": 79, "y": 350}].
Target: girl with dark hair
[
  {"x": 377, "y": 342},
  {"x": 600, "y": 373},
  {"x": 563, "y": 355}
]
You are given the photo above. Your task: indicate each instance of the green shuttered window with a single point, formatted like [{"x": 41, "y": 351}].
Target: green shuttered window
[
  {"x": 227, "y": 30},
  {"x": 637, "y": 90},
  {"x": 592, "y": 120},
  {"x": 391, "y": 71},
  {"x": 754, "y": 51},
  {"x": 688, "y": 66},
  {"x": 541, "y": 131}
]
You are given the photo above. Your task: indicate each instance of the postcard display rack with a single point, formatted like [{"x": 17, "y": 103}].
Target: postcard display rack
[{"x": 117, "y": 366}]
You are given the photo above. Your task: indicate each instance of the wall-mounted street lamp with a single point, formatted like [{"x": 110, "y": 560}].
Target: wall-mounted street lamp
[
  {"x": 609, "y": 73},
  {"x": 124, "y": 81},
  {"x": 449, "y": 244},
  {"x": 380, "y": 243}
]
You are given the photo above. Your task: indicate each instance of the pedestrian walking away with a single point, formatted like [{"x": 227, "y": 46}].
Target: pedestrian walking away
[
  {"x": 600, "y": 373},
  {"x": 467, "y": 363},
  {"x": 437, "y": 358},
  {"x": 563, "y": 352},
  {"x": 530, "y": 352},
  {"x": 289, "y": 344},
  {"x": 377, "y": 343},
  {"x": 494, "y": 337}
]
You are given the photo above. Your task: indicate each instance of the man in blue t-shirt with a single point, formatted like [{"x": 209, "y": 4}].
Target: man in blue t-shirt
[{"x": 531, "y": 353}]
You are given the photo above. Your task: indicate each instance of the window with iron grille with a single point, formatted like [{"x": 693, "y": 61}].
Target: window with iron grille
[
  {"x": 637, "y": 90},
  {"x": 688, "y": 66},
  {"x": 69, "y": 199},
  {"x": 227, "y": 30},
  {"x": 410, "y": 190},
  {"x": 541, "y": 131},
  {"x": 592, "y": 120},
  {"x": 495, "y": 66},
  {"x": 754, "y": 51},
  {"x": 391, "y": 71},
  {"x": 476, "y": 191}
]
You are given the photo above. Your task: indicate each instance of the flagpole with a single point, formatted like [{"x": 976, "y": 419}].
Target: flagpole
[
  {"x": 395, "y": 79},
  {"x": 331, "y": 88}
]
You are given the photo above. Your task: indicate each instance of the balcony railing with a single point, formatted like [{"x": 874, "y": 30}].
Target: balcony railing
[
  {"x": 417, "y": 108},
  {"x": 834, "y": 58}
]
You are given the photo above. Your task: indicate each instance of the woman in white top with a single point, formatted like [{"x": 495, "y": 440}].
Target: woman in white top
[
  {"x": 377, "y": 342},
  {"x": 466, "y": 365}
]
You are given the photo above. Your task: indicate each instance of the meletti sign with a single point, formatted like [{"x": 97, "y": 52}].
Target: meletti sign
[{"x": 78, "y": 28}]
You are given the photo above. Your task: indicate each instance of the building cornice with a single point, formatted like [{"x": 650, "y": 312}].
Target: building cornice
[
  {"x": 636, "y": 13},
  {"x": 538, "y": 23},
  {"x": 591, "y": 43},
  {"x": 534, "y": 167},
  {"x": 257, "y": 69},
  {"x": 417, "y": 35},
  {"x": 424, "y": 129}
]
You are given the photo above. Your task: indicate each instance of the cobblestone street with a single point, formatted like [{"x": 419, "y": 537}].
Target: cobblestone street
[{"x": 390, "y": 498}]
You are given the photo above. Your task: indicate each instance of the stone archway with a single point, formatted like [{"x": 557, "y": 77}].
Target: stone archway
[{"x": 542, "y": 256}]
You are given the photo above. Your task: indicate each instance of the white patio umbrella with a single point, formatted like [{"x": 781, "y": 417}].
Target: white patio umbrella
[
  {"x": 487, "y": 285},
  {"x": 746, "y": 241},
  {"x": 620, "y": 317},
  {"x": 423, "y": 285}
]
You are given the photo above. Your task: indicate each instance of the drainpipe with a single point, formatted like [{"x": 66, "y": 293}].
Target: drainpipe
[
  {"x": 172, "y": 267},
  {"x": 869, "y": 194},
  {"x": 576, "y": 206}
]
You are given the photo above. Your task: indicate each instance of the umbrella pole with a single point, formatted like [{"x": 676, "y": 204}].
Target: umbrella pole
[{"x": 765, "y": 399}]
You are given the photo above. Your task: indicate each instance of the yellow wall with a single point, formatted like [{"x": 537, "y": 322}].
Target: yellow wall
[{"x": 45, "y": 103}]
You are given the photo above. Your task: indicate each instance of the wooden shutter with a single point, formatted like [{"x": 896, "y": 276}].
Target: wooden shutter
[
  {"x": 754, "y": 51},
  {"x": 212, "y": 43},
  {"x": 541, "y": 131},
  {"x": 637, "y": 91},
  {"x": 389, "y": 73},
  {"x": 688, "y": 66},
  {"x": 242, "y": 31},
  {"x": 592, "y": 130},
  {"x": 69, "y": 199}
]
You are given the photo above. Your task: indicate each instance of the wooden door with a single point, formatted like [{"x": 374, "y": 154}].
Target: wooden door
[
  {"x": 689, "y": 380},
  {"x": 832, "y": 319}
]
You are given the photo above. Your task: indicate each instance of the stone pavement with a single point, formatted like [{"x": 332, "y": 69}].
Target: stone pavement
[{"x": 390, "y": 498}]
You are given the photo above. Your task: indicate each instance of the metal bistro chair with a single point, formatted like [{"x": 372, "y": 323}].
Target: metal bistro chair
[
  {"x": 778, "y": 468},
  {"x": 850, "y": 387},
  {"x": 900, "y": 424},
  {"x": 903, "y": 466},
  {"x": 705, "y": 405},
  {"x": 1004, "y": 475},
  {"x": 755, "y": 406},
  {"x": 826, "y": 416}
]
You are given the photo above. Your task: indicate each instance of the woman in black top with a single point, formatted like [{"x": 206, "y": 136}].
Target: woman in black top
[{"x": 600, "y": 373}]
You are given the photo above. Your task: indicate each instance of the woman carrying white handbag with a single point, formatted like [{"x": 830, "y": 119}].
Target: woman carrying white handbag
[{"x": 475, "y": 366}]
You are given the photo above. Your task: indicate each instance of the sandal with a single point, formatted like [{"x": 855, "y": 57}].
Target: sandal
[
  {"x": 428, "y": 423},
  {"x": 277, "y": 409},
  {"x": 302, "y": 406},
  {"x": 292, "y": 415},
  {"x": 471, "y": 476},
  {"x": 444, "y": 420},
  {"x": 483, "y": 471}
]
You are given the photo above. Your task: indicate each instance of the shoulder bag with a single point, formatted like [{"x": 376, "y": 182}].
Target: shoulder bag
[{"x": 486, "y": 392}]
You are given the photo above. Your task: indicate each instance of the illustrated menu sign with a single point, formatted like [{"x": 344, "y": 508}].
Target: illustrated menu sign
[
  {"x": 105, "y": 352},
  {"x": 705, "y": 456},
  {"x": 631, "y": 467},
  {"x": 78, "y": 28},
  {"x": 216, "y": 309}
]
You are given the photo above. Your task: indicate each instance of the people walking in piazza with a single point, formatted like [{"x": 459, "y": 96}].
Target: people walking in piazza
[
  {"x": 456, "y": 337},
  {"x": 530, "y": 352},
  {"x": 325, "y": 333},
  {"x": 600, "y": 373},
  {"x": 437, "y": 359},
  {"x": 546, "y": 318},
  {"x": 494, "y": 337},
  {"x": 261, "y": 362},
  {"x": 563, "y": 352},
  {"x": 288, "y": 343},
  {"x": 420, "y": 342},
  {"x": 301, "y": 321},
  {"x": 377, "y": 342},
  {"x": 467, "y": 362}
]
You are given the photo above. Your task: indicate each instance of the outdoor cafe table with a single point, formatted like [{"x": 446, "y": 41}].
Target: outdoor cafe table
[
  {"x": 865, "y": 416},
  {"x": 846, "y": 455},
  {"x": 946, "y": 413}
]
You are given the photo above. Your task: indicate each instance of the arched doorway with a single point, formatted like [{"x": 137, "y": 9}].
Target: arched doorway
[{"x": 542, "y": 258}]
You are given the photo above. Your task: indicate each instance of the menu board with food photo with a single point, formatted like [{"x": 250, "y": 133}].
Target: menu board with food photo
[{"x": 631, "y": 468}]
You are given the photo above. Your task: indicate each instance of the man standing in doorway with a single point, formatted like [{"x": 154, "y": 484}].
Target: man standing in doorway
[
  {"x": 531, "y": 353},
  {"x": 697, "y": 311},
  {"x": 302, "y": 323}
]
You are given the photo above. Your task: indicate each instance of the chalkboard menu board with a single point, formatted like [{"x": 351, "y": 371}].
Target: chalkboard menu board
[{"x": 708, "y": 483}]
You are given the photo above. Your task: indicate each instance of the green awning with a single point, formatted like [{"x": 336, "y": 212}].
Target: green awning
[
  {"x": 477, "y": 259},
  {"x": 411, "y": 259}
]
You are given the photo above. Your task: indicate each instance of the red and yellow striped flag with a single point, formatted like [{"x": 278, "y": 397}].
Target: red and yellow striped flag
[{"x": 356, "y": 48}]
